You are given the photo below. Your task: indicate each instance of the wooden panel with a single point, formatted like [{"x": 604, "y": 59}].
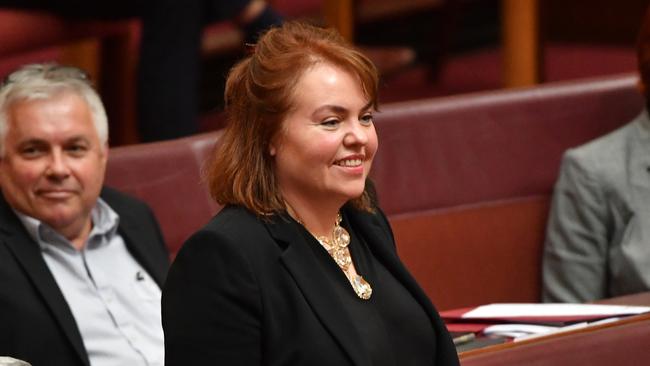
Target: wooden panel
[
  {"x": 521, "y": 46},
  {"x": 477, "y": 254},
  {"x": 340, "y": 15},
  {"x": 83, "y": 54}
]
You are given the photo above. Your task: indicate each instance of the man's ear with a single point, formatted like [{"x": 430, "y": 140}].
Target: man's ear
[{"x": 103, "y": 150}]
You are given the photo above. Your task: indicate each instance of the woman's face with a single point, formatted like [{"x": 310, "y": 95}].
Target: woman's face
[{"x": 325, "y": 146}]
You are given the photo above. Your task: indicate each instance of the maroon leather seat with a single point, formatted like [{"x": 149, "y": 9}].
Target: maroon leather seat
[
  {"x": 466, "y": 180},
  {"x": 167, "y": 175},
  {"x": 445, "y": 152}
]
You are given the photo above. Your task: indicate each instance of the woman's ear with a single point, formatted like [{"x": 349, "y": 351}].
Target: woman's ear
[{"x": 275, "y": 143}]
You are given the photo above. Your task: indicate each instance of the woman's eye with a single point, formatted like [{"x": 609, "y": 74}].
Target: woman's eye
[
  {"x": 330, "y": 122},
  {"x": 366, "y": 119}
]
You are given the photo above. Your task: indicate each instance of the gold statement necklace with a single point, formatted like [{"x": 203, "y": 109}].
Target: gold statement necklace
[{"x": 337, "y": 247}]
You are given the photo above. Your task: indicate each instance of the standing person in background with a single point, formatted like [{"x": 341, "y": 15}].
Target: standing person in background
[
  {"x": 598, "y": 235},
  {"x": 169, "y": 66},
  {"x": 169, "y": 63},
  {"x": 81, "y": 265},
  {"x": 300, "y": 266}
]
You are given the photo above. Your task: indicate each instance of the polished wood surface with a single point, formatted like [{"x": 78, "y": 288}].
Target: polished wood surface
[
  {"x": 83, "y": 54},
  {"x": 642, "y": 299},
  {"x": 594, "y": 328},
  {"x": 520, "y": 43},
  {"x": 340, "y": 15}
]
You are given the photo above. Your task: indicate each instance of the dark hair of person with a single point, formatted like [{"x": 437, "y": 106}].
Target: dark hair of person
[{"x": 259, "y": 94}]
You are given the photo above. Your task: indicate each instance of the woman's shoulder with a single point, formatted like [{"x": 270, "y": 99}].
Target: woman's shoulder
[
  {"x": 234, "y": 222},
  {"x": 231, "y": 215},
  {"x": 233, "y": 228}
]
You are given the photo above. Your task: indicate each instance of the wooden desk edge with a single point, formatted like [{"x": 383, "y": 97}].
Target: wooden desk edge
[{"x": 619, "y": 323}]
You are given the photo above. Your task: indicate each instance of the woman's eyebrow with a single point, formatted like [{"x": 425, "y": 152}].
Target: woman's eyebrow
[
  {"x": 331, "y": 108},
  {"x": 340, "y": 109}
]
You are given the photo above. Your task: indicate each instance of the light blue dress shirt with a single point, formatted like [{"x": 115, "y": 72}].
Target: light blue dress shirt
[{"x": 114, "y": 301}]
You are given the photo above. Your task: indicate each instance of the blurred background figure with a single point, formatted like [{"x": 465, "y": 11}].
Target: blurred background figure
[
  {"x": 170, "y": 50},
  {"x": 423, "y": 48},
  {"x": 598, "y": 234}
]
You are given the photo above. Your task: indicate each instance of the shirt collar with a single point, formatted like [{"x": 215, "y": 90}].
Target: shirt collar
[{"x": 105, "y": 223}]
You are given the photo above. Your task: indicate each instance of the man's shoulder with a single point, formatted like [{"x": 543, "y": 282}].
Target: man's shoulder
[{"x": 8, "y": 219}]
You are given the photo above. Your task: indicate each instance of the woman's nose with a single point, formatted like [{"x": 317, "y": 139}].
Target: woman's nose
[{"x": 357, "y": 134}]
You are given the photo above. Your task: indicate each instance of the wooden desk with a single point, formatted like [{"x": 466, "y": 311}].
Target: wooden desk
[
  {"x": 623, "y": 342},
  {"x": 521, "y": 51},
  {"x": 642, "y": 299}
]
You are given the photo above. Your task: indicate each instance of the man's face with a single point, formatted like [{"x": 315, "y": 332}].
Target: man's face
[{"x": 53, "y": 164}]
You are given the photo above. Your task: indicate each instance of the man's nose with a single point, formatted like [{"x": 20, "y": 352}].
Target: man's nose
[{"x": 57, "y": 167}]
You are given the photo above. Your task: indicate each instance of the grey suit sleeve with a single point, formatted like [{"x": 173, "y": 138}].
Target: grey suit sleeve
[{"x": 575, "y": 251}]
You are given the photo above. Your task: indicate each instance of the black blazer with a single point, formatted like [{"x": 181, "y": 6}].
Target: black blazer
[
  {"x": 36, "y": 324},
  {"x": 243, "y": 291}
]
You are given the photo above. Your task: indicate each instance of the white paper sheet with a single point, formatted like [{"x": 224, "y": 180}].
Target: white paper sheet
[
  {"x": 519, "y": 328},
  {"x": 535, "y": 310}
]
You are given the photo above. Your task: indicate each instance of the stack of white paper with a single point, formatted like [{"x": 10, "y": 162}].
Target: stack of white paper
[{"x": 552, "y": 310}]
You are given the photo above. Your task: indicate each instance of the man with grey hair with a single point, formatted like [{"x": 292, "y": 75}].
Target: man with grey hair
[{"x": 81, "y": 265}]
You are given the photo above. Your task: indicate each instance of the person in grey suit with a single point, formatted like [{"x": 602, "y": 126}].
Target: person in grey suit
[
  {"x": 598, "y": 234},
  {"x": 81, "y": 265}
]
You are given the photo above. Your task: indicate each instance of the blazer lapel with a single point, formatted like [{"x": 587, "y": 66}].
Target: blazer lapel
[
  {"x": 639, "y": 154},
  {"x": 377, "y": 233},
  {"x": 132, "y": 236},
  {"x": 29, "y": 256},
  {"x": 381, "y": 243},
  {"x": 135, "y": 238},
  {"x": 301, "y": 262}
]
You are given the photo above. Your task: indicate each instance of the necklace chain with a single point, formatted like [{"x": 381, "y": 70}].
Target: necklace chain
[{"x": 337, "y": 247}]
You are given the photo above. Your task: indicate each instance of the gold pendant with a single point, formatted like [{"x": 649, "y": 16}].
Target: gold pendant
[
  {"x": 337, "y": 247},
  {"x": 361, "y": 287}
]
